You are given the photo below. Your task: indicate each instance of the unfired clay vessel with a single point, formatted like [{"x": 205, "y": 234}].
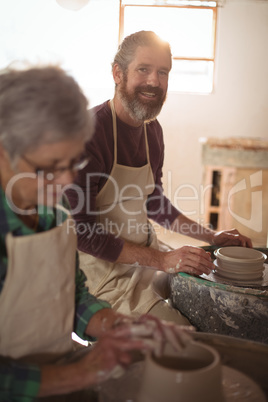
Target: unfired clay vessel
[
  {"x": 240, "y": 263},
  {"x": 193, "y": 375}
]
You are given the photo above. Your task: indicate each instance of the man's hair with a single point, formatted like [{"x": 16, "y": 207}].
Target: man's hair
[
  {"x": 127, "y": 49},
  {"x": 39, "y": 106}
]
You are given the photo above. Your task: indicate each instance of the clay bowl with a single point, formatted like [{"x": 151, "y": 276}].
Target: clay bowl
[
  {"x": 194, "y": 374},
  {"x": 239, "y": 263}
]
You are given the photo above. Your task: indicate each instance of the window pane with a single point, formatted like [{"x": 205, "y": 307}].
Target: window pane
[
  {"x": 191, "y": 76},
  {"x": 189, "y": 31}
]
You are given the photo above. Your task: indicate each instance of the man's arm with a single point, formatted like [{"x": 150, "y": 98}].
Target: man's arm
[
  {"x": 187, "y": 227},
  {"x": 193, "y": 260},
  {"x": 187, "y": 259}
]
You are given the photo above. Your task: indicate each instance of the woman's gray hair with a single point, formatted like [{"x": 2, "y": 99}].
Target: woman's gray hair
[
  {"x": 39, "y": 106},
  {"x": 127, "y": 49}
]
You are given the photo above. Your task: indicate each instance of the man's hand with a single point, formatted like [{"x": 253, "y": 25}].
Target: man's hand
[
  {"x": 188, "y": 259},
  {"x": 230, "y": 238}
]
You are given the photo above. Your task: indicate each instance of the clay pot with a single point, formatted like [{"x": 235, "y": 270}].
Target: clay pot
[
  {"x": 192, "y": 375},
  {"x": 240, "y": 263}
]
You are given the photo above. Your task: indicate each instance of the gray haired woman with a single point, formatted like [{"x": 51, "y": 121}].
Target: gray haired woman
[{"x": 44, "y": 124}]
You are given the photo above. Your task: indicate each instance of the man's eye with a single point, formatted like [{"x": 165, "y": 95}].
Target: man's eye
[
  {"x": 143, "y": 70},
  {"x": 163, "y": 73}
]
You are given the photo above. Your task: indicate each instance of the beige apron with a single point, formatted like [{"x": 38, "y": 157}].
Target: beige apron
[
  {"x": 37, "y": 301},
  {"x": 121, "y": 204}
]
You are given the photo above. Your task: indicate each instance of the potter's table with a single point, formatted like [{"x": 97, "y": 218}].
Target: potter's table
[{"x": 219, "y": 308}]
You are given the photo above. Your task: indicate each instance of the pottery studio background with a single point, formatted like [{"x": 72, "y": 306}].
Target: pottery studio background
[{"x": 85, "y": 41}]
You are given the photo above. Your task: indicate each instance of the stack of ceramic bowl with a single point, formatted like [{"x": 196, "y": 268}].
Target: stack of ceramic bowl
[{"x": 240, "y": 263}]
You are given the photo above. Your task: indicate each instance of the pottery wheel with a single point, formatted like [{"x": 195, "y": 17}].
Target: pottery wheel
[{"x": 237, "y": 387}]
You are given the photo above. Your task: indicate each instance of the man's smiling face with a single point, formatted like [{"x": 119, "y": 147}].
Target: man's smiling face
[{"x": 143, "y": 88}]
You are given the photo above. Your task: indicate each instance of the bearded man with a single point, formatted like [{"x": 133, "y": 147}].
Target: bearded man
[{"x": 120, "y": 190}]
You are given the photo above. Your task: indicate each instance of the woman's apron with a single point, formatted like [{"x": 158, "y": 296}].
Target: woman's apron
[
  {"x": 121, "y": 206},
  {"x": 38, "y": 298}
]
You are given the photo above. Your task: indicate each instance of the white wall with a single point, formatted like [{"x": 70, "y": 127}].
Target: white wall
[{"x": 237, "y": 108}]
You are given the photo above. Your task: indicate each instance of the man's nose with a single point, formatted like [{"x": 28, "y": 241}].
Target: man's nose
[{"x": 153, "y": 79}]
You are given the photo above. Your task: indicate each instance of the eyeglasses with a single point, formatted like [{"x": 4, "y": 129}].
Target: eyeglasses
[{"x": 53, "y": 173}]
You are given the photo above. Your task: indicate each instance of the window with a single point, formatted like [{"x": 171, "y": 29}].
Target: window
[{"x": 189, "y": 27}]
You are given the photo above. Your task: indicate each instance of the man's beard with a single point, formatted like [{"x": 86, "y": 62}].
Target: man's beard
[{"x": 138, "y": 109}]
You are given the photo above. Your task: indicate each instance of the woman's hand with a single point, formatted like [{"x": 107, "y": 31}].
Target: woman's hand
[
  {"x": 112, "y": 353},
  {"x": 156, "y": 333},
  {"x": 110, "y": 356}
]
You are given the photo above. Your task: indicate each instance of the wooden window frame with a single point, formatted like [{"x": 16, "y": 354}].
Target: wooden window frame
[{"x": 176, "y": 57}]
